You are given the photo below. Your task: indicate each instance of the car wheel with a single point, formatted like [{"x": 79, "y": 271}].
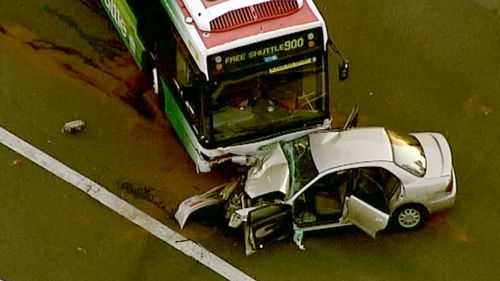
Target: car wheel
[{"x": 409, "y": 217}]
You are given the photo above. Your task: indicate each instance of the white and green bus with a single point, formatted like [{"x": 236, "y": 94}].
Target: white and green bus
[{"x": 234, "y": 77}]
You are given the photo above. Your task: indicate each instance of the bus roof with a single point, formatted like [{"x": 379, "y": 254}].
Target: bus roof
[{"x": 212, "y": 26}]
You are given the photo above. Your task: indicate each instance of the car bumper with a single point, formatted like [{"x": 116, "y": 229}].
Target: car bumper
[{"x": 446, "y": 201}]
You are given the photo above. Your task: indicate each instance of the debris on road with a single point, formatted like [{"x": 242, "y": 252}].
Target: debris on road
[
  {"x": 72, "y": 127},
  {"x": 15, "y": 162}
]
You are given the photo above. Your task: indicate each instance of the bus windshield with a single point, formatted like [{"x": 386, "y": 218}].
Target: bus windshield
[{"x": 269, "y": 100}]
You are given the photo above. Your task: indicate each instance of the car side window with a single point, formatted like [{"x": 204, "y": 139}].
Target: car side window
[{"x": 323, "y": 201}]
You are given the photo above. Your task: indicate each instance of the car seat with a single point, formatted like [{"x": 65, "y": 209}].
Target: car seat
[{"x": 330, "y": 203}]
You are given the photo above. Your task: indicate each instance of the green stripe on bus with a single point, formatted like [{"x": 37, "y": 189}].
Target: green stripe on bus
[{"x": 179, "y": 123}]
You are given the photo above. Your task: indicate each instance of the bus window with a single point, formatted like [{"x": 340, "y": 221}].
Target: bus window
[
  {"x": 244, "y": 106},
  {"x": 189, "y": 85},
  {"x": 181, "y": 76},
  {"x": 183, "y": 72}
]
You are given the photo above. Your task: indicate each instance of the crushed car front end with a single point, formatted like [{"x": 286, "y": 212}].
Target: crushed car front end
[
  {"x": 215, "y": 196},
  {"x": 267, "y": 182}
]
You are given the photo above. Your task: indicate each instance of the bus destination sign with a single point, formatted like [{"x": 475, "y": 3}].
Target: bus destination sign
[{"x": 266, "y": 52}]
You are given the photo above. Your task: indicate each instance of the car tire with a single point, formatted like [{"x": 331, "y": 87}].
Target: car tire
[{"x": 409, "y": 217}]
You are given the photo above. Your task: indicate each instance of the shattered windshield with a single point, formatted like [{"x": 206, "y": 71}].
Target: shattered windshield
[
  {"x": 408, "y": 153},
  {"x": 300, "y": 162}
]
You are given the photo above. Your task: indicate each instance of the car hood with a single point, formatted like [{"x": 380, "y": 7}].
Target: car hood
[
  {"x": 437, "y": 152},
  {"x": 270, "y": 174}
]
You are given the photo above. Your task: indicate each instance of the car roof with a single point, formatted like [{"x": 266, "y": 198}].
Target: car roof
[{"x": 338, "y": 148}]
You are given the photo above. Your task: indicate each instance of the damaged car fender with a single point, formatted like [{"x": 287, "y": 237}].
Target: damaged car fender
[{"x": 214, "y": 196}]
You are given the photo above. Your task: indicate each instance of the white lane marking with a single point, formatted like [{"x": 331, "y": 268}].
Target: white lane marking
[{"x": 123, "y": 208}]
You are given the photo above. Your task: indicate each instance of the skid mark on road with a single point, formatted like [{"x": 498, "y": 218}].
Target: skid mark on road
[
  {"x": 106, "y": 48},
  {"x": 122, "y": 207},
  {"x": 113, "y": 72}
]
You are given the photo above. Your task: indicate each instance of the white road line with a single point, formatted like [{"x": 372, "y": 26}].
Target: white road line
[{"x": 123, "y": 208}]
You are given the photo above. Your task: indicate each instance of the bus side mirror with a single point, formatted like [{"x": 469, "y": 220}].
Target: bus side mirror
[
  {"x": 344, "y": 66},
  {"x": 344, "y": 70}
]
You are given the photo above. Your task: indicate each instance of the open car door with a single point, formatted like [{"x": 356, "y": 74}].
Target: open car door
[
  {"x": 368, "y": 218},
  {"x": 267, "y": 224}
]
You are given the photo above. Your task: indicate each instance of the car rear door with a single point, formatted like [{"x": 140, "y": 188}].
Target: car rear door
[
  {"x": 368, "y": 218},
  {"x": 267, "y": 224}
]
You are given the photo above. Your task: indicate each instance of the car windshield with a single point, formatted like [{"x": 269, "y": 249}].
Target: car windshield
[
  {"x": 300, "y": 162},
  {"x": 408, "y": 153}
]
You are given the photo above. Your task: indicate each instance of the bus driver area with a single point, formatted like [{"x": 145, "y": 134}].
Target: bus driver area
[{"x": 276, "y": 96}]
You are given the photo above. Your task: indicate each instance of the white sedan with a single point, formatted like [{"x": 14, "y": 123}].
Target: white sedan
[{"x": 367, "y": 177}]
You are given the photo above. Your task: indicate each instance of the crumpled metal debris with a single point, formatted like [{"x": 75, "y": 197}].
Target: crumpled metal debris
[{"x": 73, "y": 127}]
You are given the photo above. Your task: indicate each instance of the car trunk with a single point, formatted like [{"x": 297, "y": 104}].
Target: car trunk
[{"x": 437, "y": 152}]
